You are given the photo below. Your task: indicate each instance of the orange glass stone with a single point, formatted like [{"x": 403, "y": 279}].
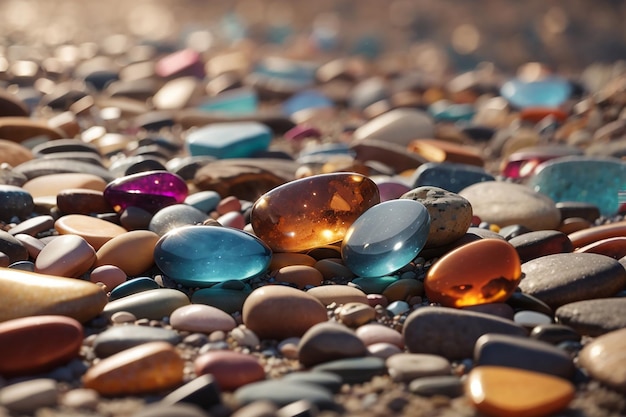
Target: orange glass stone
[
  {"x": 480, "y": 272},
  {"x": 436, "y": 150},
  {"x": 313, "y": 211}
]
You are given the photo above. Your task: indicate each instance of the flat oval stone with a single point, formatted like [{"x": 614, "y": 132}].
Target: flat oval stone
[
  {"x": 329, "y": 341},
  {"x": 205, "y": 201},
  {"x": 568, "y": 277},
  {"x": 387, "y": 153},
  {"x": 354, "y": 370},
  {"x": 33, "y": 226},
  {"x": 507, "y": 392},
  {"x": 591, "y": 235},
  {"x": 229, "y": 140},
  {"x": 51, "y": 341},
  {"x": 181, "y": 409},
  {"x": 12, "y": 247},
  {"x": 282, "y": 259},
  {"x": 385, "y": 238},
  {"x": 313, "y": 211},
  {"x": 118, "y": 338},
  {"x": 231, "y": 370},
  {"x": 593, "y": 317},
  {"x": 614, "y": 247},
  {"x": 200, "y": 256},
  {"x": 374, "y": 285},
  {"x": 300, "y": 275},
  {"x": 95, "y": 231},
  {"x": 264, "y": 312},
  {"x": 493, "y": 279},
  {"x": 541, "y": 243},
  {"x": 65, "y": 256},
  {"x": 82, "y": 201},
  {"x": 405, "y": 367},
  {"x": 133, "y": 286},
  {"x": 504, "y": 204},
  {"x": 438, "y": 150},
  {"x": 174, "y": 216},
  {"x": 326, "y": 380},
  {"x": 374, "y": 333},
  {"x": 15, "y": 202},
  {"x": 554, "y": 333},
  {"x": 143, "y": 369},
  {"x": 603, "y": 358},
  {"x": 338, "y": 294},
  {"x": 450, "y": 176},
  {"x": 29, "y": 294},
  {"x": 53, "y": 184},
  {"x": 450, "y": 214},
  {"x": 227, "y": 300},
  {"x": 140, "y": 243},
  {"x": 282, "y": 393},
  {"x": 201, "y": 318},
  {"x": 27, "y": 397},
  {"x": 150, "y": 191},
  {"x": 448, "y": 385},
  {"x": 398, "y": 126},
  {"x": 549, "y": 92},
  {"x": 152, "y": 304},
  {"x": 457, "y": 330},
  {"x": 531, "y": 319},
  {"x": 19, "y": 129}
]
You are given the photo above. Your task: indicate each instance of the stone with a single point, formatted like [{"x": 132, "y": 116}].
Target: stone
[
  {"x": 593, "y": 317},
  {"x": 151, "y": 304},
  {"x": 523, "y": 353},
  {"x": 523, "y": 163},
  {"x": 28, "y": 294},
  {"x": 201, "y": 318},
  {"x": 19, "y": 129},
  {"x": 202, "y": 391},
  {"x": 133, "y": 286},
  {"x": 450, "y": 214},
  {"x": 332, "y": 268},
  {"x": 40, "y": 167},
  {"x": 150, "y": 191},
  {"x": 356, "y": 314},
  {"x": 374, "y": 285},
  {"x": 614, "y": 247},
  {"x": 235, "y": 101},
  {"x": 495, "y": 309},
  {"x": 171, "y": 410},
  {"x": 53, "y": 184},
  {"x": 328, "y": 341},
  {"x": 245, "y": 337},
  {"x": 495, "y": 276},
  {"x": 385, "y": 238},
  {"x": 27, "y": 397},
  {"x": 505, "y": 204},
  {"x": 438, "y": 150},
  {"x": 541, "y": 243},
  {"x": 227, "y": 300},
  {"x": 582, "y": 178},
  {"x": 229, "y": 140},
  {"x": 374, "y": 333},
  {"x": 33, "y": 247},
  {"x": 522, "y": 301},
  {"x": 176, "y": 94},
  {"x": 205, "y": 201},
  {"x": 338, "y": 294},
  {"x": 430, "y": 386},
  {"x": 33, "y": 226},
  {"x": 80, "y": 398},
  {"x": 390, "y": 189},
  {"x": 354, "y": 370},
  {"x": 15, "y": 202},
  {"x": 457, "y": 331},
  {"x": 96, "y": 232},
  {"x": 149, "y": 367},
  {"x": 233, "y": 219},
  {"x": 327, "y": 380},
  {"x": 264, "y": 312},
  {"x": 405, "y": 367},
  {"x": 123, "y": 317},
  {"x": 12, "y": 248},
  {"x": 554, "y": 333},
  {"x": 594, "y": 234},
  {"x": 200, "y": 256},
  {"x": 446, "y": 111},
  {"x": 184, "y": 62},
  {"x": 65, "y": 256},
  {"x": 398, "y": 308},
  {"x": 140, "y": 243},
  {"x": 174, "y": 216},
  {"x": 231, "y": 370},
  {"x": 530, "y": 319},
  {"x": 283, "y": 259},
  {"x": 568, "y": 277},
  {"x": 82, "y": 201},
  {"x": 549, "y": 92},
  {"x": 313, "y": 211},
  {"x": 282, "y": 393},
  {"x": 387, "y": 153},
  {"x": 603, "y": 359},
  {"x": 35, "y": 344},
  {"x": 300, "y": 275},
  {"x": 119, "y": 338},
  {"x": 587, "y": 211},
  {"x": 499, "y": 391},
  {"x": 135, "y": 218},
  {"x": 383, "y": 350},
  {"x": 399, "y": 126}
]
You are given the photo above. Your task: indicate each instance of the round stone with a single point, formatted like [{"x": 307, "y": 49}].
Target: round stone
[
  {"x": 231, "y": 370},
  {"x": 201, "y": 318},
  {"x": 139, "y": 243},
  {"x": 65, "y": 256},
  {"x": 385, "y": 238},
  {"x": 109, "y": 275},
  {"x": 604, "y": 359},
  {"x": 406, "y": 367},
  {"x": 329, "y": 341},
  {"x": 174, "y": 216}
]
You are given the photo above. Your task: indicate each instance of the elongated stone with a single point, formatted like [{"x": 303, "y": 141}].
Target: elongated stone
[
  {"x": 152, "y": 304},
  {"x": 594, "y": 317},
  {"x": 203, "y": 255},
  {"x": 231, "y": 370},
  {"x": 548, "y": 92},
  {"x": 140, "y": 243},
  {"x": 398, "y": 126},
  {"x": 329, "y": 341},
  {"x": 133, "y": 286},
  {"x": 118, "y": 338},
  {"x": 229, "y": 140},
  {"x": 311, "y": 212},
  {"x": 541, "y": 243},
  {"x": 28, "y": 397},
  {"x": 65, "y": 256},
  {"x": 14, "y": 201},
  {"x": 95, "y": 231},
  {"x": 450, "y": 176}
]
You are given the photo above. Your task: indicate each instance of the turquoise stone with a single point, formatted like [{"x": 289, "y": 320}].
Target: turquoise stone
[
  {"x": 548, "y": 92},
  {"x": 229, "y": 140},
  {"x": 205, "y": 201},
  {"x": 452, "y": 177},
  {"x": 445, "y": 111},
  {"x": 133, "y": 286},
  {"x": 285, "y": 72},
  {"x": 385, "y": 238},
  {"x": 200, "y": 256},
  {"x": 309, "y": 99},
  {"x": 227, "y": 300},
  {"x": 232, "y": 102},
  {"x": 598, "y": 181},
  {"x": 374, "y": 285}
]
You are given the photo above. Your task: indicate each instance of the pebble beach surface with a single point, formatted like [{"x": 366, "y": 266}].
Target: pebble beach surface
[{"x": 254, "y": 228}]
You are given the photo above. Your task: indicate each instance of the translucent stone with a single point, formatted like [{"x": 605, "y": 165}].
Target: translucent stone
[
  {"x": 480, "y": 272},
  {"x": 522, "y": 163},
  {"x": 548, "y": 92},
  {"x": 200, "y": 256},
  {"x": 313, "y": 211},
  {"x": 445, "y": 111},
  {"x": 386, "y": 237},
  {"x": 150, "y": 191},
  {"x": 229, "y": 140}
]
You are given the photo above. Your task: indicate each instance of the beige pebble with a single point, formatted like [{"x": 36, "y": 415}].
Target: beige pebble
[
  {"x": 53, "y": 184},
  {"x": 245, "y": 337},
  {"x": 65, "y": 256},
  {"x": 300, "y": 275},
  {"x": 95, "y": 231},
  {"x": 81, "y": 398},
  {"x": 122, "y": 317},
  {"x": 339, "y": 294},
  {"x": 289, "y": 347},
  {"x": 605, "y": 359},
  {"x": 356, "y": 314}
]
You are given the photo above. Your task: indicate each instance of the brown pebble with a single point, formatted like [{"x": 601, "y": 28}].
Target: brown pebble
[
  {"x": 95, "y": 231},
  {"x": 82, "y": 201},
  {"x": 339, "y": 294},
  {"x": 403, "y": 289},
  {"x": 65, "y": 256},
  {"x": 356, "y": 314},
  {"x": 231, "y": 370},
  {"x": 109, "y": 275},
  {"x": 139, "y": 243},
  {"x": 300, "y": 275},
  {"x": 53, "y": 184},
  {"x": 282, "y": 259},
  {"x": 332, "y": 268}
]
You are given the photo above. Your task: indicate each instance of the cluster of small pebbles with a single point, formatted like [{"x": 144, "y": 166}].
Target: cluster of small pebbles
[{"x": 238, "y": 229}]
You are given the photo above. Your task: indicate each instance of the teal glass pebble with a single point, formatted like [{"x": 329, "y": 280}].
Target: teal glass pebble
[
  {"x": 205, "y": 201},
  {"x": 374, "y": 285},
  {"x": 229, "y": 140},
  {"x": 548, "y": 92},
  {"x": 133, "y": 286},
  {"x": 200, "y": 256},
  {"x": 385, "y": 238},
  {"x": 234, "y": 102},
  {"x": 445, "y": 111},
  {"x": 594, "y": 180}
]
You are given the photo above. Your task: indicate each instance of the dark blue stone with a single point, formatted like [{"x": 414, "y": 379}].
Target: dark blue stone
[
  {"x": 133, "y": 286},
  {"x": 449, "y": 176}
]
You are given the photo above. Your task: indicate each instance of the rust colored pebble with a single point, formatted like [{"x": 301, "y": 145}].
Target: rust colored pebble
[
  {"x": 593, "y": 234},
  {"x": 537, "y": 114},
  {"x": 403, "y": 289},
  {"x": 231, "y": 370},
  {"x": 574, "y": 224},
  {"x": 82, "y": 201},
  {"x": 228, "y": 204},
  {"x": 150, "y": 367},
  {"x": 65, "y": 256},
  {"x": 282, "y": 259},
  {"x": 615, "y": 247},
  {"x": 493, "y": 276},
  {"x": 95, "y": 231},
  {"x": 109, "y": 275},
  {"x": 132, "y": 252},
  {"x": 436, "y": 150},
  {"x": 13, "y": 153},
  {"x": 38, "y": 343},
  {"x": 53, "y": 184},
  {"x": 300, "y": 275}
]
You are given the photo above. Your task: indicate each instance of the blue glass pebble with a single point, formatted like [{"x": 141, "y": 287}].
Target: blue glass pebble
[
  {"x": 229, "y": 140},
  {"x": 385, "y": 238},
  {"x": 297, "y": 74},
  {"x": 584, "y": 179},
  {"x": 449, "y": 176},
  {"x": 548, "y": 92},
  {"x": 200, "y": 256},
  {"x": 398, "y": 307},
  {"x": 232, "y": 102},
  {"x": 133, "y": 286},
  {"x": 308, "y": 99},
  {"x": 445, "y": 111}
]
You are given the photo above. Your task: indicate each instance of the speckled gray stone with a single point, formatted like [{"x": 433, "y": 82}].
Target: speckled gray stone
[{"x": 594, "y": 317}]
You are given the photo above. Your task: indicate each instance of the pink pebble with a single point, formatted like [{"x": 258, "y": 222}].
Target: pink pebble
[
  {"x": 232, "y": 219},
  {"x": 377, "y": 333},
  {"x": 109, "y": 275},
  {"x": 377, "y": 299},
  {"x": 201, "y": 318},
  {"x": 228, "y": 204}
]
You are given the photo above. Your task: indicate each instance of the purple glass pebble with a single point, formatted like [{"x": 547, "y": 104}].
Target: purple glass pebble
[{"x": 150, "y": 191}]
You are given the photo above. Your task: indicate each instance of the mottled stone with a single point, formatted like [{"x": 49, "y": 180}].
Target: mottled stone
[
  {"x": 593, "y": 317},
  {"x": 15, "y": 202},
  {"x": 327, "y": 341},
  {"x": 604, "y": 359},
  {"x": 201, "y": 318},
  {"x": 541, "y": 243},
  {"x": 95, "y": 231},
  {"x": 405, "y": 367},
  {"x": 65, "y": 256},
  {"x": 151, "y": 304},
  {"x": 118, "y": 338},
  {"x": 115, "y": 252}
]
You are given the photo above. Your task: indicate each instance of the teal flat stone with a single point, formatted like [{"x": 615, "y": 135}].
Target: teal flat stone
[
  {"x": 229, "y": 301},
  {"x": 548, "y": 92},
  {"x": 200, "y": 256},
  {"x": 374, "y": 285},
  {"x": 133, "y": 286},
  {"x": 385, "y": 238},
  {"x": 205, "y": 201},
  {"x": 445, "y": 111},
  {"x": 229, "y": 140},
  {"x": 235, "y": 102},
  {"x": 598, "y": 181}
]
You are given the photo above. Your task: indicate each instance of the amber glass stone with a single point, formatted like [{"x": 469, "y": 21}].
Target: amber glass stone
[
  {"x": 313, "y": 211},
  {"x": 480, "y": 272}
]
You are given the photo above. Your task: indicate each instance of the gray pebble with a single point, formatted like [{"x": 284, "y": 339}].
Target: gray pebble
[
  {"x": 594, "y": 317},
  {"x": 29, "y": 396},
  {"x": 447, "y": 385}
]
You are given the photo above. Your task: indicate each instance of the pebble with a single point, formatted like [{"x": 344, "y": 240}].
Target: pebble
[
  {"x": 205, "y": 201},
  {"x": 549, "y": 92},
  {"x": 338, "y": 294},
  {"x": 227, "y": 300},
  {"x": 565, "y": 278},
  {"x": 300, "y": 275},
  {"x": 28, "y": 293},
  {"x": 118, "y": 338},
  {"x": 201, "y": 391},
  {"x": 65, "y": 256},
  {"x": 405, "y": 367},
  {"x": 229, "y": 140},
  {"x": 51, "y": 340},
  {"x": 496, "y": 309},
  {"x": 593, "y": 317},
  {"x": 374, "y": 285},
  {"x": 82, "y": 201},
  {"x": 12, "y": 248},
  {"x": 398, "y": 307},
  {"x": 354, "y": 370},
  {"x": 330, "y": 381},
  {"x": 201, "y": 318},
  {"x": 398, "y": 126},
  {"x": 151, "y": 304},
  {"x": 231, "y": 370},
  {"x": 374, "y": 333},
  {"x": 111, "y": 276},
  {"x": 264, "y": 312},
  {"x": 245, "y": 337},
  {"x": 80, "y": 398},
  {"x": 171, "y": 410},
  {"x": 430, "y": 386},
  {"x": 329, "y": 341},
  {"x": 133, "y": 286},
  {"x": 614, "y": 247},
  {"x": 449, "y": 176},
  {"x": 356, "y": 314},
  {"x": 313, "y": 211},
  {"x": 140, "y": 243},
  {"x": 149, "y": 367},
  {"x": 333, "y": 268},
  {"x": 554, "y": 333},
  {"x": 439, "y": 150},
  {"x": 95, "y": 231},
  {"x": 14, "y": 153},
  {"x": 387, "y": 153},
  {"x": 123, "y": 317},
  {"x": 541, "y": 243},
  {"x": 175, "y": 216},
  {"x": 16, "y": 201},
  {"x": 29, "y": 396},
  {"x": 282, "y": 259},
  {"x": 33, "y": 226},
  {"x": 530, "y": 319},
  {"x": 603, "y": 359},
  {"x": 505, "y": 203},
  {"x": 282, "y": 393},
  {"x": 53, "y": 184},
  {"x": 591, "y": 235},
  {"x": 457, "y": 331}
]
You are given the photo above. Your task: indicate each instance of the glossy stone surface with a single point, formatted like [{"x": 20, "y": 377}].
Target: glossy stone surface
[
  {"x": 449, "y": 176},
  {"x": 523, "y": 163},
  {"x": 313, "y": 211},
  {"x": 581, "y": 178},
  {"x": 150, "y": 191},
  {"x": 604, "y": 359},
  {"x": 133, "y": 286},
  {"x": 399, "y": 126},
  {"x": 494, "y": 276},
  {"x": 200, "y": 256},
  {"x": 385, "y": 238},
  {"x": 229, "y": 140},
  {"x": 14, "y": 201},
  {"x": 548, "y": 92},
  {"x": 95, "y": 231}
]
